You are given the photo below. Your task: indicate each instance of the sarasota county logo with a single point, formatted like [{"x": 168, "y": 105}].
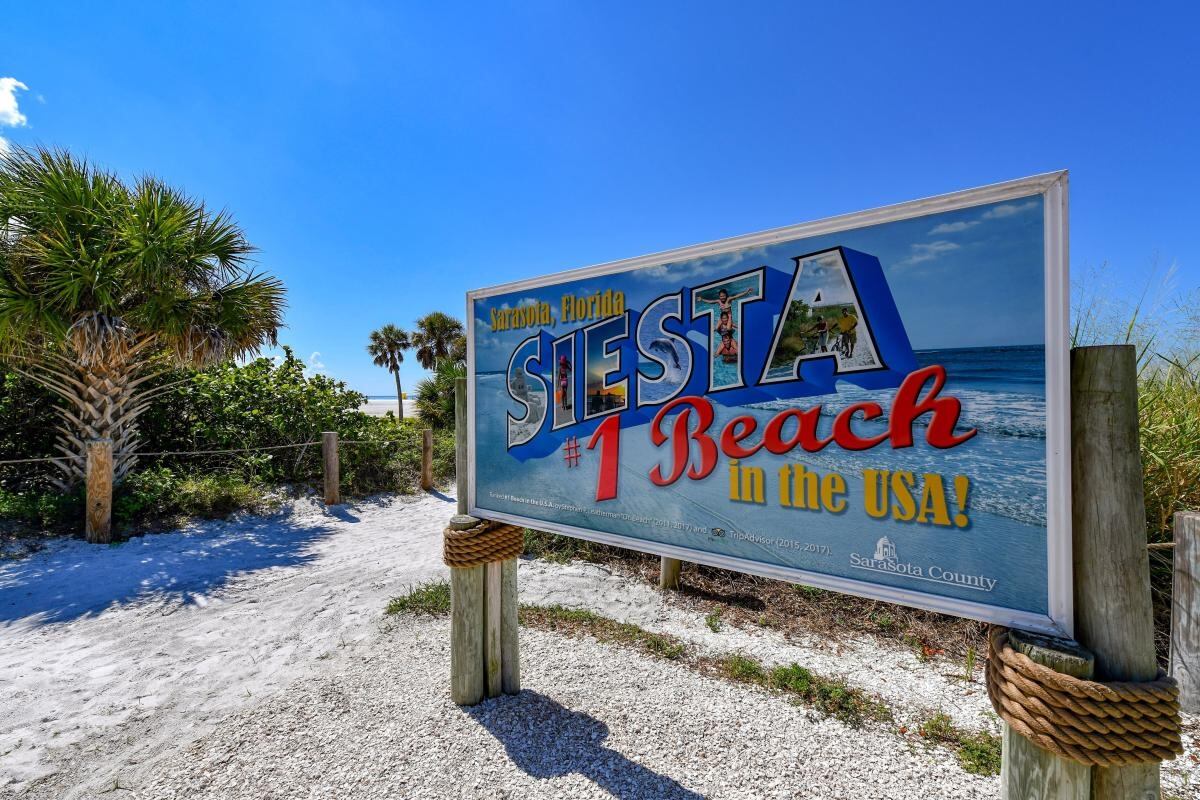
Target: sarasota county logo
[
  {"x": 885, "y": 550},
  {"x": 886, "y": 559}
]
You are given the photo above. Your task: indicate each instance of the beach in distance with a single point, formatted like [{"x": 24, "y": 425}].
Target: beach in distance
[{"x": 380, "y": 405}]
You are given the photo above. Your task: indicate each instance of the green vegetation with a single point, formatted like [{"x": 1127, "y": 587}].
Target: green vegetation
[
  {"x": 831, "y": 696},
  {"x": 432, "y": 598},
  {"x": 561, "y": 549},
  {"x": 159, "y": 493},
  {"x": 107, "y": 286},
  {"x": 978, "y": 753},
  {"x": 713, "y": 621},
  {"x": 263, "y": 404},
  {"x": 439, "y": 337},
  {"x": 576, "y": 621},
  {"x": 435, "y": 395}
]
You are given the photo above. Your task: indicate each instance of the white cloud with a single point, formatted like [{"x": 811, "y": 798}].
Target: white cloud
[
  {"x": 953, "y": 227},
  {"x": 1009, "y": 209},
  {"x": 928, "y": 252},
  {"x": 314, "y": 363},
  {"x": 703, "y": 267},
  {"x": 10, "y": 111}
]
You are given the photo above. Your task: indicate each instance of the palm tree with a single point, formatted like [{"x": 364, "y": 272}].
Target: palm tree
[
  {"x": 105, "y": 286},
  {"x": 435, "y": 338},
  {"x": 387, "y": 350},
  {"x": 435, "y": 394}
]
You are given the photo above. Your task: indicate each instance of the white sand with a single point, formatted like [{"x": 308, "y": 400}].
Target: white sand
[
  {"x": 251, "y": 659},
  {"x": 379, "y": 408}
]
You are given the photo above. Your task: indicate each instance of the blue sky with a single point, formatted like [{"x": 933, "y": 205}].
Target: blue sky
[{"x": 388, "y": 157}]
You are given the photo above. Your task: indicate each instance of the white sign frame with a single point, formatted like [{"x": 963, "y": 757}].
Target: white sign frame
[{"x": 1052, "y": 186}]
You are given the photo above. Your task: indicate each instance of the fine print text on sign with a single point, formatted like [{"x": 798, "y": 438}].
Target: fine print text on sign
[{"x": 874, "y": 404}]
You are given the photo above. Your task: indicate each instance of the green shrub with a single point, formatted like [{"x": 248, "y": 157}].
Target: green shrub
[
  {"x": 160, "y": 493},
  {"x": 42, "y": 509}
]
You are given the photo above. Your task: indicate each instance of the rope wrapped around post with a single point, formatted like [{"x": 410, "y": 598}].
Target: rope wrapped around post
[
  {"x": 1090, "y": 722},
  {"x": 485, "y": 543}
]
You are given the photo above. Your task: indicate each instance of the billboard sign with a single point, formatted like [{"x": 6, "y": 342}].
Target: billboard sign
[{"x": 874, "y": 404}]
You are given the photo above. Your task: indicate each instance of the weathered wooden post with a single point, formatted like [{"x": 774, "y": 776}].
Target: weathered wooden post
[
  {"x": 1113, "y": 614},
  {"x": 426, "y": 459},
  {"x": 668, "y": 573},
  {"x": 467, "y": 674},
  {"x": 99, "y": 481},
  {"x": 460, "y": 443},
  {"x": 1027, "y": 772},
  {"x": 484, "y": 654},
  {"x": 329, "y": 454},
  {"x": 1185, "y": 611}
]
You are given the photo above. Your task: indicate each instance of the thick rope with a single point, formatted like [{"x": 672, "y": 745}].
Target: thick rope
[
  {"x": 1100, "y": 724},
  {"x": 486, "y": 542}
]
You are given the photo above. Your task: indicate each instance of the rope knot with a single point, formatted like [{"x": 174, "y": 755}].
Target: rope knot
[
  {"x": 486, "y": 542},
  {"x": 1105, "y": 724}
]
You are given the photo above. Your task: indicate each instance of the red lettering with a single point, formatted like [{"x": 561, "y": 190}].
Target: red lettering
[
  {"x": 846, "y": 438},
  {"x": 735, "y": 431},
  {"x": 909, "y": 405},
  {"x": 806, "y": 431},
  {"x": 912, "y": 401},
  {"x": 608, "y": 437},
  {"x": 681, "y": 440}
]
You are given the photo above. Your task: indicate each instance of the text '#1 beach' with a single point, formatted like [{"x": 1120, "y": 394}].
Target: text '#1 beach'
[{"x": 874, "y": 404}]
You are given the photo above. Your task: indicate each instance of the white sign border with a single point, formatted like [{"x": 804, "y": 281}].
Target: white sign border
[{"x": 1053, "y": 187}]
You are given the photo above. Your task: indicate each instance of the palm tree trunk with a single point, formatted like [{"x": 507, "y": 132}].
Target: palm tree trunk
[
  {"x": 399, "y": 396},
  {"x": 96, "y": 404}
]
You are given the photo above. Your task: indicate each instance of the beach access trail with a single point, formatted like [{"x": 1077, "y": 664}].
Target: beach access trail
[{"x": 251, "y": 658}]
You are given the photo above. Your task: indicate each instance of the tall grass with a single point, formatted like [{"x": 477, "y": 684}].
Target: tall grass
[
  {"x": 1169, "y": 416},
  {"x": 1164, "y": 325}
]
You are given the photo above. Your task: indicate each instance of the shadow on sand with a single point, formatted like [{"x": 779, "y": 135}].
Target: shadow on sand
[
  {"x": 546, "y": 740},
  {"x": 71, "y": 579}
]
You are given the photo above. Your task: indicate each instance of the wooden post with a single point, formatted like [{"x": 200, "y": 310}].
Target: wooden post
[
  {"x": 329, "y": 452},
  {"x": 460, "y": 442},
  {"x": 510, "y": 654},
  {"x": 98, "y": 521},
  {"x": 668, "y": 573},
  {"x": 1113, "y": 614},
  {"x": 467, "y": 675},
  {"x": 427, "y": 459},
  {"x": 1185, "y": 611},
  {"x": 1027, "y": 772},
  {"x": 491, "y": 627}
]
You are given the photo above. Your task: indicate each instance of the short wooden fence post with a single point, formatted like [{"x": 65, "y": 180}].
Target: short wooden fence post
[
  {"x": 1114, "y": 618},
  {"x": 99, "y": 485},
  {"x": 329, "y": 453},
  {"x": 1185, "y": 611},
  {"x": 427, "y": 459},
  {"x": 1027, "y": 772},
  {"x": 484, "y": 653},
  {"x": 668, "y": 572}
]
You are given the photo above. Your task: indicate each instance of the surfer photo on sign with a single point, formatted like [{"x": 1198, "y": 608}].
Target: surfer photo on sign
[{"x": 564, "y": 369}]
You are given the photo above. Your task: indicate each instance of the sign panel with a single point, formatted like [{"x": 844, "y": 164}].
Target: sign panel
[{"x": 874, "y": 404}]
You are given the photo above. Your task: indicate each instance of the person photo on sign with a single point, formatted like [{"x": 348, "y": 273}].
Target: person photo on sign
[
  {"x": 847, "y": 325},
  {"x": 820, "y": 330},
  {"x": 723, "y": 301},
  {"x": 564, "y": 370},
  {"x": 728, "y": 350}
]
